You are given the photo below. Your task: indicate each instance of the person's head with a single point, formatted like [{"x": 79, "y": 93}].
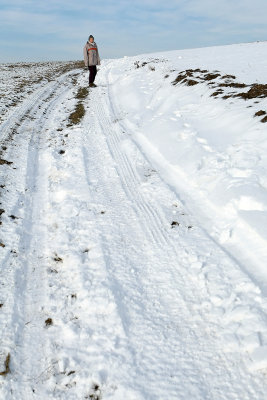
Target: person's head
[{"x": 91, "y": 39}]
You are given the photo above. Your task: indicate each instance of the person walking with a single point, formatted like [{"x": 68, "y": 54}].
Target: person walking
[{"x": 91, "y": 59}]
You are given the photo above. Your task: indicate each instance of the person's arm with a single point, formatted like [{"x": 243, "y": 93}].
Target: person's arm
[
  {"x": 85, "y": 56},
  {"x": 98, "y": 58}
]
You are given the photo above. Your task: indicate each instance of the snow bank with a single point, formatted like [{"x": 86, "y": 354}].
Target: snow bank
[{"x": 211, "y": 149}]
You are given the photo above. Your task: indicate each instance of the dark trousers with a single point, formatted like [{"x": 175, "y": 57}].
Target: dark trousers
[{"x": 92, "y": 73}]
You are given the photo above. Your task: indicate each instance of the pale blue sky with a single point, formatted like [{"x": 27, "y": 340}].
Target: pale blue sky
[{"x": 57, "y": 30}]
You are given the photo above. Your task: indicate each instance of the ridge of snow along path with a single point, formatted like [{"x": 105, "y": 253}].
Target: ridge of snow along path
[{"x": 113, "y": 284}]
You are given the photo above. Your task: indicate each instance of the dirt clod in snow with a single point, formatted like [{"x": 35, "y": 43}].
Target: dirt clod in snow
[
  {"x": 58, "y": 259},
  {"x": 95, "y": 392},
  {"x": 174, "y": 223},
  {"x": 13, "y": 217},
  {"x": 219, "y": 91},
  {"x": 48, "y": 322},
  {"x": 259, "y": 113},
  {"x": 6, "y": 370},
  {"x": 71, "y": 373},
  {"x": 2, "y": 162}
]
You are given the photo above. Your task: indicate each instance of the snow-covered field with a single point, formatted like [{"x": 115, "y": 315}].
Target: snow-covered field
[{"x": 133, "y": 244}]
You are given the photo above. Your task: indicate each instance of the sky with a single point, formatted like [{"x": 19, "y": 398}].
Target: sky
[{"x": 34, "y": 30}]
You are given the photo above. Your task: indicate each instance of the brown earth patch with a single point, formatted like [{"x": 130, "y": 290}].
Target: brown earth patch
[
  {"x": 233, "y": 85},
  {"x": 211, "y": 76},
  {"x": 259, "y": 113},
  {"x": 256, "y": 91},
  {"x": 191, "y": 82},
  {"x": 219, "y": 91},
  {"x": 228, "y": 77}
]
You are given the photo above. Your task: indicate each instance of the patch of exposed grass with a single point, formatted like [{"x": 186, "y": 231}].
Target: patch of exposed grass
[
  {"x": 22, "y": 84},
  {"x": 77, "y": 115},
  {"x": 82, "y": 93}
]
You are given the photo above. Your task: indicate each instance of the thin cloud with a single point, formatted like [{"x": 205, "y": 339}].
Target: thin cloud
[{"x": 132, "y": 27}]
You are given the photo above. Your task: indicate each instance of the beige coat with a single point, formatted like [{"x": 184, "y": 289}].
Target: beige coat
[{"x": 90, "y": 54}]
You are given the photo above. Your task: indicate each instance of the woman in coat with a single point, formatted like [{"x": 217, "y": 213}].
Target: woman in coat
[{"x": 91, "y": 59}]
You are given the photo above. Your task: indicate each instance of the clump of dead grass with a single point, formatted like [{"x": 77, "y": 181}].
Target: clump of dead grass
[{"x": 77, "y": 115}]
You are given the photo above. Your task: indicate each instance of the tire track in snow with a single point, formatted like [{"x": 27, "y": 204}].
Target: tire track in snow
[
  {"x": 130, "y": 179},
  {"x": 26, "y": 321},
  {"x": 17, "y": 116}
]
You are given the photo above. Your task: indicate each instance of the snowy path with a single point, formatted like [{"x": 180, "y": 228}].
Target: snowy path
[{"x": 101, "y": 295}]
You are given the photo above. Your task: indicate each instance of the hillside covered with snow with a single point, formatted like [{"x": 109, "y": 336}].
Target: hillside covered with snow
[{"x": 133, "y": 236}]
